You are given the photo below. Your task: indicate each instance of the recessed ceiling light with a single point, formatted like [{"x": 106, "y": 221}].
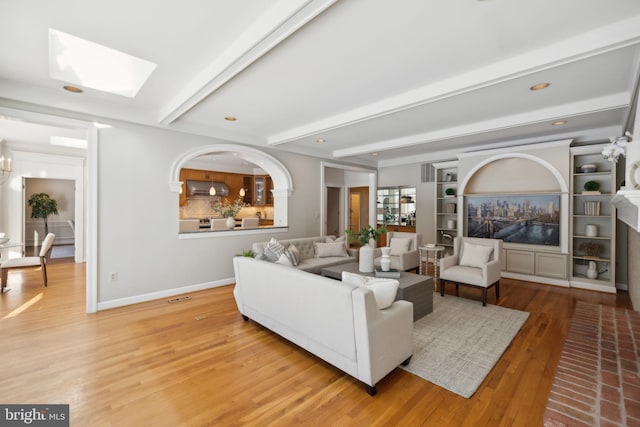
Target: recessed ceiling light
[
  {"x": 230, "y": 119},
  {"x": 72, "y": 89},
  {"x": 88, "y": 64},
  {"x": 374, "y": 154},
  {"x": 540, "y": 86},
  {"x": 320, "y": 141},
  {"x": 559, "y": 123}
]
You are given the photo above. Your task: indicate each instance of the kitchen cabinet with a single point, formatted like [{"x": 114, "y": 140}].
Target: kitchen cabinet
[
  {"x": 235, "y": 182},
  {"x": 262, "y": 186},
  {"x": 247, "y": 184}
]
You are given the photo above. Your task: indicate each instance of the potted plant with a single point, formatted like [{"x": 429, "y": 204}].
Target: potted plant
[
  {"x": 366, "y": 234},
  {"x": 42, "y": 205},
  {"x": 228, "y": 210},
  {"x": 247, "y": 253}
]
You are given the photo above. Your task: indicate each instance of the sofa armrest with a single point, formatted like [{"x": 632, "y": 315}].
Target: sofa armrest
[
  {"x": 409, "y": 260},
  {"x": 448, "y": 261},
  {"x": 354, "y": 253},
  {"x": 491, "y": 272},
  {"x": 384, "y": 338}
]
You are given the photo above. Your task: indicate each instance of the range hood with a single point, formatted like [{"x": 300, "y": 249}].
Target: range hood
[{"x": 201, "y": 188}]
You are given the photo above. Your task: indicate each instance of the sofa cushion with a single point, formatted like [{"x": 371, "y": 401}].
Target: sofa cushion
[
  {"x": 399, "y": 246},
  {"x": 284, "y": 260},
  {"x": 293, "y": 254},
  {"x": 273, "y": 250},
  {"x": 475, "y": 255},
  {"x": 332, "y": 249},
  {"x": 384, "y": 290}
]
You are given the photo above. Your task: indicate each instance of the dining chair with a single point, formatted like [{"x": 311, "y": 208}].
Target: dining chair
[{"x": 27, "y": 262}]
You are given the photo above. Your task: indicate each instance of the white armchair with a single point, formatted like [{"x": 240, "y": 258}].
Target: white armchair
[
  {"x": 475, "y": 262},
  {"x": 404, "y": 250}
]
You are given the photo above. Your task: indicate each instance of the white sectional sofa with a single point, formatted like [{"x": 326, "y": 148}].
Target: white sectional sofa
[
  {"x": 338, "y": 322},
  {"x": 308, "y": 259}
]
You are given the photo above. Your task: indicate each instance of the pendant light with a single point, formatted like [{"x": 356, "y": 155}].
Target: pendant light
[
  {"x": 212, "y": 190},
  {"x": 242, "y": 192}
]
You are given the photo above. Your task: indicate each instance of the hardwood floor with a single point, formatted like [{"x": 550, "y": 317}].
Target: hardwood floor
[{"x": 197, "y": 363}]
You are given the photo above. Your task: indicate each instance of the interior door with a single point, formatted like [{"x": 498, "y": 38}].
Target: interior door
[
  {"x": 354, "y": 212},
  {"x": 333, "y": 211}
]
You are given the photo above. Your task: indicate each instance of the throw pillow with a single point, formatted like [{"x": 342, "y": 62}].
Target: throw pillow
[
  {"x": 293, "y": 254},
  {"x": 284, "y": 260},
  {"x": 475, "y": 255},
  {"x": 399, "y": 246},
  {"x": 324, "y": 250},
  {"x": 261, "y": 256},
  {"x": 273, "y": 250},
  {"x": 384, "y": 290}
]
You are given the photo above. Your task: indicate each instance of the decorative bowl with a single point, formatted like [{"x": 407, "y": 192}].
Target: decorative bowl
[
  {"x": 588, "y": 168},
  {"x": 4, "y": 240}
]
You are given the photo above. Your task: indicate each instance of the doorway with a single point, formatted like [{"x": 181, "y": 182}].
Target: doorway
[
  {"x": 358, "y": 208},
  {"x": 62, "y": 224},
  {"x": 334, "y": 211}
]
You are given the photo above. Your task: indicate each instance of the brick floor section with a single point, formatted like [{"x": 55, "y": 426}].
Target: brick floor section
[{"x": 597, "y": 382}]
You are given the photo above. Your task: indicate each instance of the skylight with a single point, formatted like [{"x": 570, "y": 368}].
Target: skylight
[{"x": 88, "y": 64}]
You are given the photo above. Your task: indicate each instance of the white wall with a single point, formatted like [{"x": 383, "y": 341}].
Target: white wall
[{"x": 137, "y": 216}]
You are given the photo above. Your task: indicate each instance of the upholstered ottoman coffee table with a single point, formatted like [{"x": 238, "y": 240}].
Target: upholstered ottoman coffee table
[{"x": 414, "y": 288}]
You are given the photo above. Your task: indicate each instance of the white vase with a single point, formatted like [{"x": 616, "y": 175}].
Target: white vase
[
  {"x": 385, "y": 261},
  {"x": 372, "y": 243},
  {"x": 231, "y": 222},
  {"x": 365, "y": 263},
  {"x": 591, "y": 230},
  {"x": 592, "y": 273}
]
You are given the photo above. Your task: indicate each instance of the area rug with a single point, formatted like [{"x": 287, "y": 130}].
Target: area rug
[{"x": 457, "y": 345}]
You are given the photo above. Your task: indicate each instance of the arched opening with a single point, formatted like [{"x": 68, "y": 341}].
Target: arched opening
[
  {"x": 278, "y": 173},
  {"x": 525, "y": 171}
]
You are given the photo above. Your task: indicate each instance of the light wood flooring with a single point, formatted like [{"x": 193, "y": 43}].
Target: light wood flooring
[{"x": 197, "y": 363}]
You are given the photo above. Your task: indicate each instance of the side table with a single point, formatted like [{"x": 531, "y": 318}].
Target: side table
[{"x": 424, "y": 251}]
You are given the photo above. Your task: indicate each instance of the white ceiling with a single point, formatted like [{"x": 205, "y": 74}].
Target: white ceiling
[{"x": 413, "y": 80}]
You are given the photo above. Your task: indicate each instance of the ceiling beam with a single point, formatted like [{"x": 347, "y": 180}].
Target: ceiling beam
[
  {"x": 608, "y": 38},
  {"x": 604, "y": 103},
  {"x": 281, "y": 21}
]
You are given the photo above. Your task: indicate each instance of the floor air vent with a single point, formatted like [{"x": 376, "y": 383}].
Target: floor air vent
[{"x": 171, "y": 301}]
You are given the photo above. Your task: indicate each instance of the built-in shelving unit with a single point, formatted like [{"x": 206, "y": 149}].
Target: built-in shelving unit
[
  {"x": 593, "y": 220},
  {"x": 446, "y": 206}
]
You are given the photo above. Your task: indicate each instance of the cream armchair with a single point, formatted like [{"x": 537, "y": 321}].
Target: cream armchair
[
  {"x": 475, "y": 262},
  {"x": 404, "y": 250}
]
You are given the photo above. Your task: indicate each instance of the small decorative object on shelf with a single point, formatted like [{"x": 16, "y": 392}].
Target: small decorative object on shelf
[
  {"x": 590, "y": 249},
  {"x": 592, "y": 208},
  {"x": 591, "y": 187},
  {"x": 592, "y": 272},
  {"x": 589, "y": 168},
  {"x": 591, "y": 230},
  {"x": 449, "y": 192},
  {"x": 617, "y": 147}
]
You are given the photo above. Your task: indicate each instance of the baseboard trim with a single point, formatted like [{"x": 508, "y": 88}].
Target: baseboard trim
[{"x": 121, "y": 302}]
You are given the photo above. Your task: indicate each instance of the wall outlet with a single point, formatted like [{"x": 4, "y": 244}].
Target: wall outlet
[{"x": 113, "y": 276}]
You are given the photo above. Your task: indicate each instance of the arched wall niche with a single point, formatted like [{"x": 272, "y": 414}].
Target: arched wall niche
[
  {"x": 282, "y": 182},
  {"x": 517, "y": 173}
]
